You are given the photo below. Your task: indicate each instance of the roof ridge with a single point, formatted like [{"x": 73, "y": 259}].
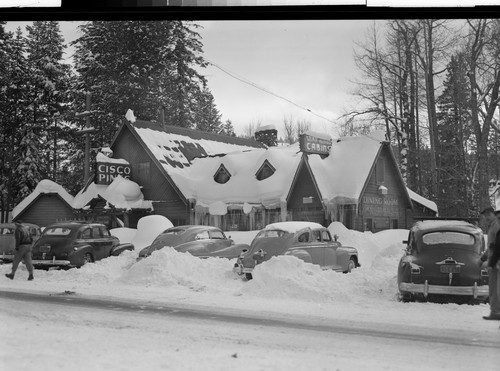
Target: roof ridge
[{"x": 198, "y": 134}]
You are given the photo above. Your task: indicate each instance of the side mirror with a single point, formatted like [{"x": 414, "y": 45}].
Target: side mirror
[{"x": 405, "y": 242}]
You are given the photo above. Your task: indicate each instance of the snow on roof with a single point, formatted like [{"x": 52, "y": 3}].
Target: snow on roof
[
  {"x": 176, "y": 148},
  {"x": 243, "y": 186},
  {"x": 122, "y": 193},
  {"x": 342, "y": 175},
  {"x": 103, "y": 158},
  {"x": 316, "y": 134},
  {"x": 422, "y": 200},
  {"x": 293, "y": 227},
  {"x": 44, "y": 186}
]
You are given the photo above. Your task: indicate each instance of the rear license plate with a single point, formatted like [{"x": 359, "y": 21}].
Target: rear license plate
[
  {"x": 450, "y": 269},
  {"x": 45, "y": 248}
]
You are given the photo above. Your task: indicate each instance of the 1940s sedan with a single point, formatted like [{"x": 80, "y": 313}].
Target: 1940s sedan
[
  {"x": 199, "y": 240},
  {"x": 8, "y": 241},
  {"x": 310, "y": 242},
  {"x": 442, "y": 257},
  {"x": 73, "y": 244}
]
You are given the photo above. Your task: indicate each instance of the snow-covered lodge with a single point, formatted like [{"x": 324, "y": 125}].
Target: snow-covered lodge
[{"x": 194, "y": 177}]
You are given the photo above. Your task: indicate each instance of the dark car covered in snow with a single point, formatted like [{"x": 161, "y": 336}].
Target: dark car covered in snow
[
  {"x": 8, "y": 241},
  {"x": 310, "y": 242},
  {"x": 199, "y": 240},
  {"x": 73, "y": 244},
  {"x": 443, "y": 258}
]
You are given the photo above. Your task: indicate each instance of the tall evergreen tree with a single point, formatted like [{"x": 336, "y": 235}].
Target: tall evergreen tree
[
  {"x": 206, "y": 116},
  {"x": 455, "y": 133},
  {"x": 13, "y": 101},
  {"x": 49, "y": 96},
  {"x": 146, "y": 66}
]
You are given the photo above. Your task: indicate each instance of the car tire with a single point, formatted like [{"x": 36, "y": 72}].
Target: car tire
[
  {"x": 248, "y": 276},
  {"x": 87, "y": 258},
  {"x": 351, "y": 264},
  {"x": 406, "y": 297}
]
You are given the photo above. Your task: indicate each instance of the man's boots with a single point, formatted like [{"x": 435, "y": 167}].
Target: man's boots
[
  {"x": 30, "y": 277},
  {"x": 10, "y": 275}
]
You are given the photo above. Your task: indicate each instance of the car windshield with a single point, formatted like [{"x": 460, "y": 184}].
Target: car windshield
[
  {"x": 270, "y": 233},
  {"x": 57, "y": 231},
  {"x": 448, "y": 237}
]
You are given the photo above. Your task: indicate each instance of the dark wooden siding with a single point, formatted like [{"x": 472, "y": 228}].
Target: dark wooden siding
[
  {"x": 304, "y": 203},
  {"x": 47, "y": 209},
  {"x": 378, "y": 211},
  {"x": 156, "y": 188}
]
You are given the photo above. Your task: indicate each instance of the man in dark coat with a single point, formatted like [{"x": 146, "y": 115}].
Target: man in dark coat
[
  {"x": 23, "y": 250},
  {"x": 492, "y": 255}
]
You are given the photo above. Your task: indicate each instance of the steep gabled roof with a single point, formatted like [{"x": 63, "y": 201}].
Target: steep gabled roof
[
  {"x": 175, "y": 149},
  {"x": 343, "y": 175},
  {"x": 43, "y": 187}
]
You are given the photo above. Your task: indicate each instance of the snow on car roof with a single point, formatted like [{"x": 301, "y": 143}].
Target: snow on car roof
[
  {"x": 293, "y": 227},
  {"x": 442, "y": 224}
]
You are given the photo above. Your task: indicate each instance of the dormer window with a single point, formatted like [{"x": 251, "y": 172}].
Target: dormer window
[
  {"x": 222, "y": 175},
  {"x": 265, "y": 171}
]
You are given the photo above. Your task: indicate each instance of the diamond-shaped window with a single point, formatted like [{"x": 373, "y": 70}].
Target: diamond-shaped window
[
  {"x": 265, "y": 171},
  {"x": 222, "y": 175}
]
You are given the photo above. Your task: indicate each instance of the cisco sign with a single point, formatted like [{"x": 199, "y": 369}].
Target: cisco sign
[
  {"x": 311, "y": 143},
  {"x": 107, "y": 171}
]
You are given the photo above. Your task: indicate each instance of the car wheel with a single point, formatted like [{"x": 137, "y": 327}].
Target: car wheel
[
  {"x": 351, "y": 265},
  {"x": 87, "y": 258},
  {"x": 406, "y": 297}
]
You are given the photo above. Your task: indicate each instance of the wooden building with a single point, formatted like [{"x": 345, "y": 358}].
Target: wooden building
[
  {"x": 47, "y": 204},
  {"x": 193, "y": 177}
]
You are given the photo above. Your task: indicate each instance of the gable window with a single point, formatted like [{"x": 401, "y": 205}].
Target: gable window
[
  {"x": 265, "y": 171},
  {"x": 222, "y": 175}
]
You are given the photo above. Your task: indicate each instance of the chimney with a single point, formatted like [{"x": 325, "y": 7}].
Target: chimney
[{"x": 267, "y": 135}]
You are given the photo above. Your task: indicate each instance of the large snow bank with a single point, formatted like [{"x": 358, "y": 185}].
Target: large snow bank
[{"x": 283, "y": 284}]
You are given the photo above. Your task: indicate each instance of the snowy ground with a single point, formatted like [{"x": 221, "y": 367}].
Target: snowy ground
[{"x": 283, "y": 287}]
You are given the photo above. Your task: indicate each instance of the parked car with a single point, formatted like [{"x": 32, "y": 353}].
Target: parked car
[
  {"x": 308, "y": 241},
  {"x": 199, "y": 240},
  {"x": 442, "y": 257},
  {"x": 8, "y": 241},
  {"x": 73, "y": 244}
]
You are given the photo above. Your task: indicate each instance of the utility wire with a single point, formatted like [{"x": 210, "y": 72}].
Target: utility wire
[{"x": 246, "y": 81}]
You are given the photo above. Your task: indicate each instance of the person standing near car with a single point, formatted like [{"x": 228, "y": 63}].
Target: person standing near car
[
  {"x": 492, "y": 255},
  {"x": 23, "y": 250}
]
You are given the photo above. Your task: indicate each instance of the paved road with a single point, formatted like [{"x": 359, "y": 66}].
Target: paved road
[{"x": 408, "y": 332}]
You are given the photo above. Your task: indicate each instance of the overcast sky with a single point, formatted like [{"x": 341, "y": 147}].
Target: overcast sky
[{"x": 309, "y": 64}]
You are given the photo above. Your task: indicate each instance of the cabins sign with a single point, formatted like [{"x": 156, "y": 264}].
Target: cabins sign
[
  {"x": 107, "y": 171},
  {"x": 315, "y": 143}
]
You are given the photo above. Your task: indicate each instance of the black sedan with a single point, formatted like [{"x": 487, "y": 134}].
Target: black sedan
[
  {"x": 199, "y": 240},
  {"x": 442, "y": 258},
  {"x": 73, "y": 244}
]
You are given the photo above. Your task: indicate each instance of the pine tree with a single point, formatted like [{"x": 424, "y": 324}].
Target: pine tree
[
  {"x": 454, "y": 133},
  {"x": 49, "y": 90},
  {"x": 146, "y": 66},
  {"x": 207, "y": 117}
]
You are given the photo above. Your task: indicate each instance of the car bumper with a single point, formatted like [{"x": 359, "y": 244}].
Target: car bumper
[
  {"x": 52, "y": 263},
  {"x": 427, "y": 289}
]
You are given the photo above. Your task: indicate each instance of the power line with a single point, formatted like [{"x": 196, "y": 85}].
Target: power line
[{"x": 246, "y": 81}]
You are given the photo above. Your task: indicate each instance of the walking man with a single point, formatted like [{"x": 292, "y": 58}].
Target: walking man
[
  {"x": 492, "y": 255},
  {"x": 23, "y": 250}
]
